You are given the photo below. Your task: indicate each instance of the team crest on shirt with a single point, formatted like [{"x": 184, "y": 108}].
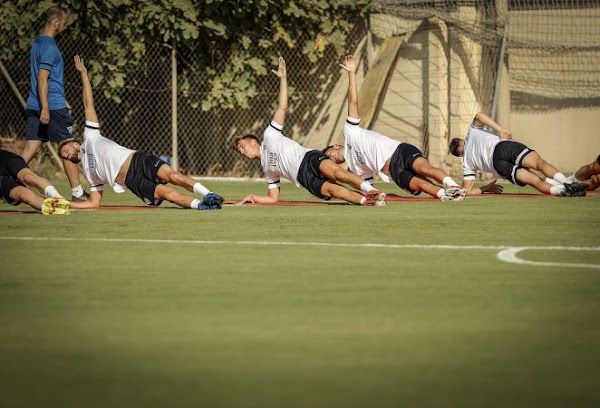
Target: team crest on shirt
[{"x": 70, "y": 130}]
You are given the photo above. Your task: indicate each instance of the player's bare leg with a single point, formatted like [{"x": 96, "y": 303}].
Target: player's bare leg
[
  {"x": 165, "y": 193},
  {"x": 27, "y": 196},
  {"x": 332, "y": 171},
  {"x": 534, "y": 161},
  {"x": 422, "y": 167},
  {"x": 31, "y": 149},
  {"x": 526, "y": 177},
  {"x": 72, "y": 172},
  {"x": 29, "y": 178},
  {"x": 418, "y": 184},
  {"x": 337, "y": 191},
  {"x": 166, "y": 173}
]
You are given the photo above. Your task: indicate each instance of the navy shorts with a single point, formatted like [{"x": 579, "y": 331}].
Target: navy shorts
[
  {"x": 401, "y": 166},
  {"x": 508, "y": 158},
  {"x": 142, "y": 177},
  {"x": 10, "y": 165},
  {"x": 58, "y": 129},
  {"x": 309, "y": 175}
]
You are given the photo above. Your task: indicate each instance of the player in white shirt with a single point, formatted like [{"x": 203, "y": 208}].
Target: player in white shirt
[
  {"x": 311, "y": 169},
  {"x": 106, "y": 162},
  {"x": 485, "y": 151},
  {"x": 368, "y": 153}
]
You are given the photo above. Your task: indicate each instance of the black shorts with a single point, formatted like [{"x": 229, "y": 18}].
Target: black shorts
[
  {"x": 508, "y": 158},
  {"x": 401, "y": 166},
  {"x": 10, "y": 165},
  {"x": 58, "y": 129},
  {"x": 141, "y": 177},
  {"x": 309, "y": 175}
]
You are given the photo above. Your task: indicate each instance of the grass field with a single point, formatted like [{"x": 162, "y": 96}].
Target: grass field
[{"x": 323, "y": 306}]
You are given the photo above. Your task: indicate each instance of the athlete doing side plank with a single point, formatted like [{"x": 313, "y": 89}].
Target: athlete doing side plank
[
  {"x": 106, "y": 162},
  {"x": 483, "y": 150},
  {"x": 311, "y": 169}
]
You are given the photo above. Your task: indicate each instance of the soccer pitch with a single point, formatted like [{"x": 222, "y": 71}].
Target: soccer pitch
[{"x": 417, "y": 304}]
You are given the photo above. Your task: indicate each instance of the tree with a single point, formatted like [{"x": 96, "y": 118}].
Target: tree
[{"x": 220, "y": 42}]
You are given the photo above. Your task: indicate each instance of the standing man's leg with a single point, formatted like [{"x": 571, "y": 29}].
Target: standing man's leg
[{"x": 31, "y": 149}]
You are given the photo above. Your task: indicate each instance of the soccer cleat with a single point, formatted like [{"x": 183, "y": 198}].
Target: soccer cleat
[
  {"x": 375, "y": 198},
  {"x": 212, "y": 199},
  {"x": 56, "y": 206},
  {"x": 84, "y": 197},
  {"x": 576, "y": 189},
  {"x": 203, "y": 207},
  {"x": 455, "y": 191}
]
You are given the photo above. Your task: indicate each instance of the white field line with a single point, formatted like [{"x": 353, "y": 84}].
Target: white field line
[{"x": 505, "y": 254}]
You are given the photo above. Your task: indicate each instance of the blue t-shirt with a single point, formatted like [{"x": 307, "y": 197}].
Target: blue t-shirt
[{"x": 46, "y": 55}]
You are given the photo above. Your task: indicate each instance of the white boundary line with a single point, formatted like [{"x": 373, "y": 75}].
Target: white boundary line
[{"x": 505, "y": 254}]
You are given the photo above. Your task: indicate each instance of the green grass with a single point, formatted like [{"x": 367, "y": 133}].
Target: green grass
[{"x": 99, "y": 321}]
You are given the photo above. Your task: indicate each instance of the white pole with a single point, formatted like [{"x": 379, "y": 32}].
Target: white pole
[{"x": 174, "y": 153}]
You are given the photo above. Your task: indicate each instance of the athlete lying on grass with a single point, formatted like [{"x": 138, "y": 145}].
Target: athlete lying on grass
[
  {"x": 311, "y": 169},
  {"x": 497, "y": 154},
  {"x": 106, "y": 162}
]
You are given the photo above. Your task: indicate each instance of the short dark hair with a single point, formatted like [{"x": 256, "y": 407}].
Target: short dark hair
[
  {"x": 246, "y": 136},
  {"x": 454, "y": 144},
  {"x": 66, "y": 142},
  {"x": 324, "y": 151},
  {"x": 53, "y": 13}
]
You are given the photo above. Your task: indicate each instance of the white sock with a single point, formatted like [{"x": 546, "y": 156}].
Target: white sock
[
  {"x": 441, "y": 192},
  {"x": 51, "y": 192},
  {"x": 195, "y": 203},
  {"x": 77, "y": 191},
  {"x": 573, "y": 178},
  {"x": 561, "y": 178},
  {"x": 556, "y": 190},
  {"x": 552, "y": 181},
  {"x": 366, "y": 186},
  {"x": 363, "y": 200},
  {"x": 200, "y": 189},
  {"x": 449, "y": 182}
]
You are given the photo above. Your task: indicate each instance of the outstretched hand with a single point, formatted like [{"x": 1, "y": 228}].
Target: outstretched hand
[
  {"x": 349, "y": 64},
  {"x": 79, "y": 65},
  {"x": 505, "y": 135},
  {"x": 281, "y": 71},
  {"x": 492, "y": 188}
]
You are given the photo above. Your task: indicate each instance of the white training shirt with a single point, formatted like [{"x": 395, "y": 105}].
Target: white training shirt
[
  {"x": 280, "y": 156},
  {"x": 366, "y": 151},
  {"x": 478, "y": 153},
  {"x": 102, "y": 159}
]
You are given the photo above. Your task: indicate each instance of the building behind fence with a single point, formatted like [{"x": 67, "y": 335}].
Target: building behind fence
[{"x": 531, "y": 63}]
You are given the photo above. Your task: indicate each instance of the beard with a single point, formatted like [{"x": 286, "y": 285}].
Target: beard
[{"x": 74, "y": 159}]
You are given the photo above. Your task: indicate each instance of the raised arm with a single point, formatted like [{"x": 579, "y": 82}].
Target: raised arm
[
  {"x": 279, "y": 116},
  {"x": 349, "y": 66},
  {"x": 88, "y": 97},
  {"x": 481, "y": 119}
]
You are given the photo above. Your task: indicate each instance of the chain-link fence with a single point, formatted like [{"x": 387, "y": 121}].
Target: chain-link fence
[
  {"x": 445, "y": 71},
  {"x": 143, "y": 118}
]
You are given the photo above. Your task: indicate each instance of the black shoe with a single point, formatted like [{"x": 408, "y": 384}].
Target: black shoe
[
  {"x": 84, "y": 197},
  {"x": 576, "y": 189}
]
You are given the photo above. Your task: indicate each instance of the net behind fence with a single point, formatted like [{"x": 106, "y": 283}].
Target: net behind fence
[{"x": 446, "y": 71}]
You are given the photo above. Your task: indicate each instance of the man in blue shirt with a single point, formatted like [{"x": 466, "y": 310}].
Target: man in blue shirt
[{"x": 48, "y": 112}]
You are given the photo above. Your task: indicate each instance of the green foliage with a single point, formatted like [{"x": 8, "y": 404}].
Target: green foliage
[{"x": 221, "y": 43}]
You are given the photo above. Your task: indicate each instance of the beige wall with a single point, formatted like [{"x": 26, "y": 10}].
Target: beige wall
[{"x": 566, "y": 138}]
